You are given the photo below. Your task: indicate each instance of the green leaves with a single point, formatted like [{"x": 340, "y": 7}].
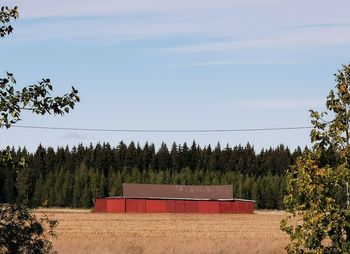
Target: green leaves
[
  {"x": 6, "y": 15},
  {"x": 317, "y": 195},
  {"x": 312, "y": 198},
  {"x": 22, "y": 232},
  {"x": 35, "y": 98}
]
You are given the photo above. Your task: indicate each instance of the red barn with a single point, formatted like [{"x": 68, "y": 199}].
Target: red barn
[{"x": 161, "y": 198}]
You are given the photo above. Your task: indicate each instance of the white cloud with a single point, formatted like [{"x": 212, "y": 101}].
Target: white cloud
[
  {"x": 222, "y": 25},
  {"x": 240, "y": 61},
  {"x": 75, "y": 136},
  {"x": 234, "y": 19},
  {"x": 103, "y": 30},
  {"x": 319, "y": 36},
  {"x": 62, "y": 8},
  {"x": 297, "y": 10},
  {"x": 287, "y": 103}
]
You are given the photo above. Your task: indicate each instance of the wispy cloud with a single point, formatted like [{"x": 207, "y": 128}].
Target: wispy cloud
[
  {"x": 323, "y": 25},
  {"x": 244, "y": 61},
  {"x": 138, "y": 19},
  {"x": 54, "y": 8},
  {"x": 104, "y": 29},
  {"x": 75, "y": 136},
  {"x": 324, "y": 36},
  {"x": 287, "y": 103}
]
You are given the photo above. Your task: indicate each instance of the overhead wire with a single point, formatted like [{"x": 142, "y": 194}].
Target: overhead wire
[{"x": 162, "y": 130}]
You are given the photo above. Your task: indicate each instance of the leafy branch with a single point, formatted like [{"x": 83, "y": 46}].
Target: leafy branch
[
  {"x": 6, "y": 15},
  {"x": 36, "y": 98}
]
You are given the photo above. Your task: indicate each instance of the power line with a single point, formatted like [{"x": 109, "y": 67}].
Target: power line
[{"x": 162, "y": 131}]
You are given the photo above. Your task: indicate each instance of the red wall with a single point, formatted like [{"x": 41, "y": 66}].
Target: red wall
[
  {"x": 191, "y": 206},
  {"x": 115, "y": 205},
  {"x": 179, "y": 206},
  {"x": 209, "y": 207},
  {"x": 135, "y": 205},
  {"x": 160, "y": 206},
  {"x": 100, "y": 205},
  {"x": 240, "y": 206},
  {"x": 225, "y": 206},
  {"x": 110, "y": 205},
  {"x": 121, "y": 205}
]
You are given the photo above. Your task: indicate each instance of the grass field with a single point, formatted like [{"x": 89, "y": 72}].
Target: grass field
[{"x": 80, "y": 231}]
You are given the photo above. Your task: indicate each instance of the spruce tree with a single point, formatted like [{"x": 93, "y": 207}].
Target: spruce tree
[
  {"x": 39, "y": 192},
  {"x": 67, "y": 189}
]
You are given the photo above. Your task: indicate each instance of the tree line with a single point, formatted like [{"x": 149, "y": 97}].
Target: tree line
[{"x": 65, "y": 177}]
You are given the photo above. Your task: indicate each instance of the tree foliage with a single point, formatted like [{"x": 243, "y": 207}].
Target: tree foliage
[
  {"x": 23, "y": 232},
  {"x": 317, "y": 191},
  {"x": 6, "y": 15},
  {"x": 20, "y": 230},
  {"x": 35, "y": 98}
]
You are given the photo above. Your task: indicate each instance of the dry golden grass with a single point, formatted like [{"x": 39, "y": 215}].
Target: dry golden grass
[{"x": 80, "y": 231}]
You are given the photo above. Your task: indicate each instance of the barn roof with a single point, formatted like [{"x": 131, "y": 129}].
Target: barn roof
[{"x": 208, "y": 192}]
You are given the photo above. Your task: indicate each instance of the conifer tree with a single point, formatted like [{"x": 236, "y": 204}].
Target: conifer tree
[
  {"x": 112, "y": 180},
  {"x": 163, "y": 157},
  {"x": 67, "y": 189},
  {"x": 102, "y": 186},
  {"x": 175, "y": 158},
  {"x": 23, "y": 186},
  {"x": 39, "y": 192},
  {"x": 8, "y": 185}
]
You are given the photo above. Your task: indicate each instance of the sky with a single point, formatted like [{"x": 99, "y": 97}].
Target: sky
[{"x": 179, "y": 65}]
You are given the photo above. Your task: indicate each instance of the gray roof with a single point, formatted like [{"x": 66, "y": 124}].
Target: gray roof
[{"x": 206, "y": 192}]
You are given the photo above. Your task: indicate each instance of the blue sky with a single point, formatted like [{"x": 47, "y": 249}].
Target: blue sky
[{"x": 185, "y": 64}]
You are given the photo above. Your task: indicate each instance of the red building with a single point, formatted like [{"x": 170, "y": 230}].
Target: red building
[{"x": 161, "y": 198}]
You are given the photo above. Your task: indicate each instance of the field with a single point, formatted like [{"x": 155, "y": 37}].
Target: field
[{"x": 80, "y": 231}]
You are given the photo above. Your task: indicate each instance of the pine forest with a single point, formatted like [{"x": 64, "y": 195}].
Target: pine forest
[{"x": 65, "y": 177}]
